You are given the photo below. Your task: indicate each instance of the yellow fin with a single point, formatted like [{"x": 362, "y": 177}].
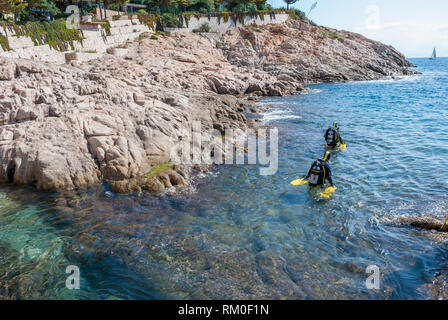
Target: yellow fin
[
  {"x": 328, "y": 192},
  {"x": 299, "y": 182},
  {"x": 343, "y": 146}
]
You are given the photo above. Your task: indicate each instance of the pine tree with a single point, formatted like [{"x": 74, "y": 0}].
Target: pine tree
[{"x": 288, "y": 2}]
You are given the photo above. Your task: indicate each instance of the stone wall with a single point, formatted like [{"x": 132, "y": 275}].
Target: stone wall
[
  {"x": 96, "y": 42},
  {"x": 220, "y": 26},
  {"x": 94, "y": 45}
]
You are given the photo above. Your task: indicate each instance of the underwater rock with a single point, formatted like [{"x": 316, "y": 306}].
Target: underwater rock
[{"x": 425, "y": 223}]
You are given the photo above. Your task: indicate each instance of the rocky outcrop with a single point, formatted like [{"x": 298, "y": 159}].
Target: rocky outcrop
[
  {"x": 117, "y": 118},
  {"x": 299, "y": 51},
  {"x": 65, "y": 127}
]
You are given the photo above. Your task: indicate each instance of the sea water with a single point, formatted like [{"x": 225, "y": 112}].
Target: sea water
[{"x": 246, "y": 236}]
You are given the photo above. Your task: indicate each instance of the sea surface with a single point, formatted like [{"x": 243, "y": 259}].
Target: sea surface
[{"x": 243, "y": 235}]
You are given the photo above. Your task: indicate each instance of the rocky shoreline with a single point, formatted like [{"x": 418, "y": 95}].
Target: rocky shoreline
[{"x": 116, "y": 119}]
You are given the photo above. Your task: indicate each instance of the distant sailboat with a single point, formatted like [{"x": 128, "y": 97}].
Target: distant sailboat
[{"x": 434, "y": 55}]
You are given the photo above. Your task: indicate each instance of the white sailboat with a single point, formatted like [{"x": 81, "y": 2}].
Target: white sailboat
[{"x": 434, "y": 55}]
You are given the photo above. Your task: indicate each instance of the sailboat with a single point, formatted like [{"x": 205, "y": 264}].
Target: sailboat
[{"x": 434, "y": 55}]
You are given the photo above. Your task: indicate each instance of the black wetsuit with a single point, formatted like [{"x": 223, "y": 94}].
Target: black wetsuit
[
  {"x": 324, "y": 173},
  {"x": 337, "y": 137}
]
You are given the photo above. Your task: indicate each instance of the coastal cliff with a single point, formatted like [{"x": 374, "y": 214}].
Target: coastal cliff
[
  {"x": 117, "y": 118},
  {"x": 299, "y": 51}
]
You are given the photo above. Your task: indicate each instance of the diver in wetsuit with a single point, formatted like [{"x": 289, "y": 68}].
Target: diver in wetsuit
[
  {"x": 320, "y": 172},
  {"x": 333, "y": 137}
]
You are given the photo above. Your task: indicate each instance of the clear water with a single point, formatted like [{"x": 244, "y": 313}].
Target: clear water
[{"x": 243, "y": 235}]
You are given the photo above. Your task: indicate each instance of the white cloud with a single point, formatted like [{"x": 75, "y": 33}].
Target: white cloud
[{"x": 413, "y": 38}]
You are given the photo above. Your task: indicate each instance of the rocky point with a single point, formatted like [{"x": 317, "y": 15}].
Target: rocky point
[{"x": 115, "y": 119}]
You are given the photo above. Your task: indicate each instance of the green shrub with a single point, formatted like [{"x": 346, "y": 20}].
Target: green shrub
[
  {"x": 153, "y": 37},
  {"x": 113, "y": 6},
  {"x": 334, "y": 35},
  {"x": 142, "y": 36},
  {"x": 116, "y": 17},
  {"x": 202, "y": 6},
  {"x": 169, "y": 20},
  {"x": 149, "y": 20},
  {"x": 251, "y": 7},
  {"x": 106, "y": 27},
  {"x": 142, "y": 11},
  {"x": 337, "y": 37},
  {"x": 26, "y": 15},
  {"x": 239, "y": 8},
  {"x": 298, "y": 14},
  {"x": 53, "y": 33},
  {"x": 4, "y": 43},
  {"x": 90, "y": 9},
  {"x": 205, "y": 27},
  {"x": 158, "y": 168},
  {"x": 262, "y": 6}
]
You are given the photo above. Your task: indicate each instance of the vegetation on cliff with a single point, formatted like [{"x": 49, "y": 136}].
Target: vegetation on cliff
[
  {"x": 44, "y": 10},
  {"x": 53, "y": 33}
]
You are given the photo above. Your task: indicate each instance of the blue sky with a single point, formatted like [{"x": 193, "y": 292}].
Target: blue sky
[{"x": 413, "y": 27}]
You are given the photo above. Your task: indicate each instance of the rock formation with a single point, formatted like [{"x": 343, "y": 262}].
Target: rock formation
[
  {"x": 424, "y": 222},
  {"x": 116, "y": 119},
  {"x": 300, "y": 52}
]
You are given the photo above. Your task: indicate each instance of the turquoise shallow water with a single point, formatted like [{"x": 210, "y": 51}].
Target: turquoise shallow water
[{"x": 243, "y": 235}]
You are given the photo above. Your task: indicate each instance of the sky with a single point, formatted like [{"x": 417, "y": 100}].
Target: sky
[{"x": 411, "y": 26}]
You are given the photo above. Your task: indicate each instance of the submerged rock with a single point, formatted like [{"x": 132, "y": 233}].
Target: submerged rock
[{"x": 425, "y": 223}]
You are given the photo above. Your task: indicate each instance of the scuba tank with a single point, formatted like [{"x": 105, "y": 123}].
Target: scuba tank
[
  {"x": 318, "y": 171},
  {"x": 317, "y": 174},
  {"x": 330, "y": 137}
]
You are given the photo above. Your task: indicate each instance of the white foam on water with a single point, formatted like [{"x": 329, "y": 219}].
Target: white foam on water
[
  {"x": 279, "y": 114},
  {"x": 408, "y": 78},
  {"x": 271, "y": 102},
  {"x": 311, "y": 91}
]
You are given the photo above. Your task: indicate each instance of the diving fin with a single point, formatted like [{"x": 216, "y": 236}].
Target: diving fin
[
  {"x": 299, "y": 182},
  {"x": 328, "y": 192},
  {"x": 343, "y": 146}
]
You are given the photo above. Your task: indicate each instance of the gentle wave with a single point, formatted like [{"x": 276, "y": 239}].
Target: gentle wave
[
  {"x": 239, "y": 235},
  {"x": 279, "y": 114}
]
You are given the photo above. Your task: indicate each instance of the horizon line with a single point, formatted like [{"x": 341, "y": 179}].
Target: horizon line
[{"x": 424, "y": 57}]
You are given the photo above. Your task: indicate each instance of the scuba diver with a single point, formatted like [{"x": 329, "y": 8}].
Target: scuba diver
[
  {"x": 318, "y": 175},
  {"x": 320, "y": 172},
  {"x": 333, "y": 137}
]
